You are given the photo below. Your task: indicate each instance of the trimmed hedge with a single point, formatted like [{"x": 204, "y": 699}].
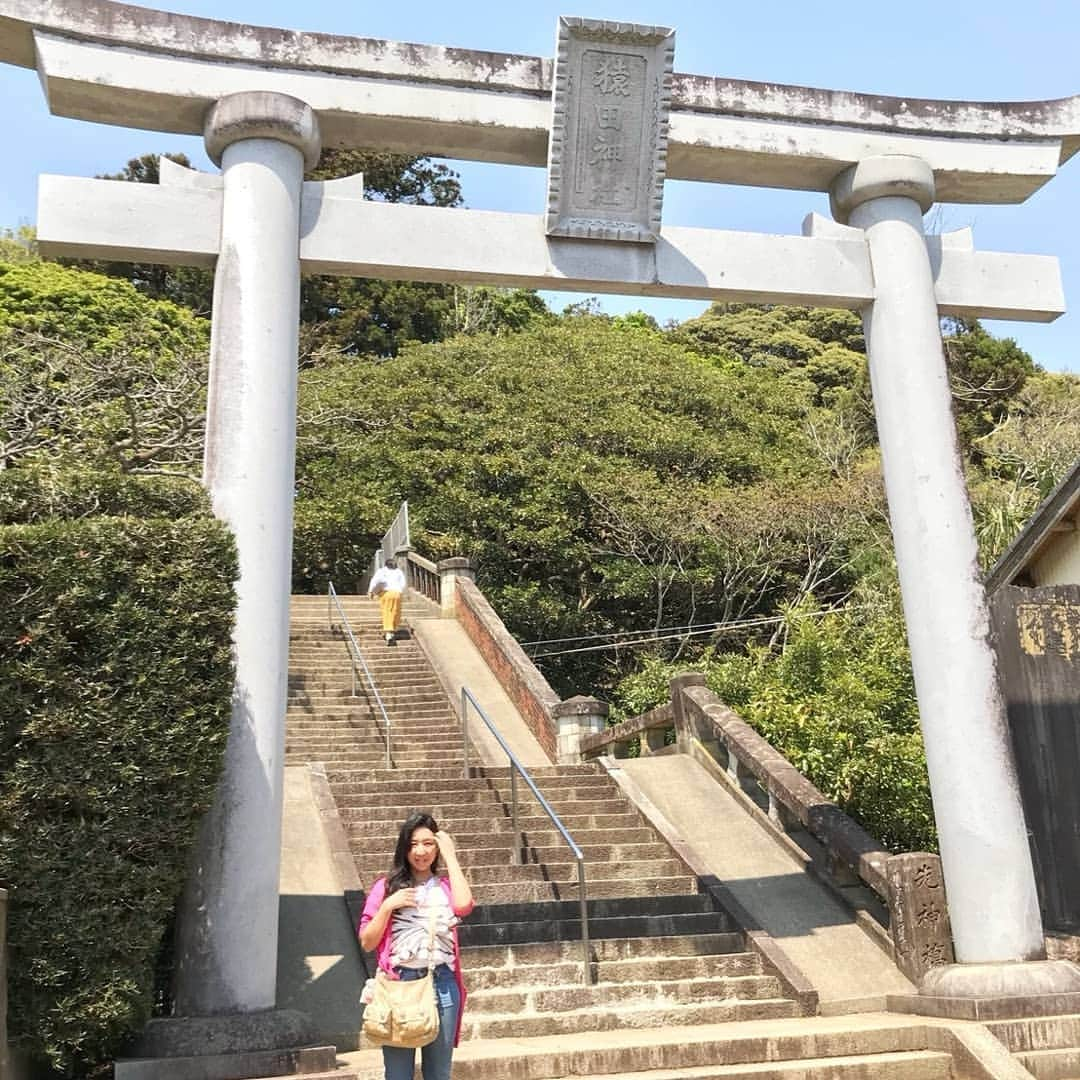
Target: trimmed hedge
[{"x": 116, "y": 677}]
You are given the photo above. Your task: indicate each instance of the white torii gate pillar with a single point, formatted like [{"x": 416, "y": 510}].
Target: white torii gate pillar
[
  {"x": 986, "y": 861},
  {"x": 227, "y": 946}
]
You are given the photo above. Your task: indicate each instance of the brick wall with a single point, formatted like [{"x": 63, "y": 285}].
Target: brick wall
[{"x": 526, "y": 687}]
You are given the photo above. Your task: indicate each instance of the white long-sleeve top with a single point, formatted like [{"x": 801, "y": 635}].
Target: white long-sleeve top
[{"x": 390, "y": 580}]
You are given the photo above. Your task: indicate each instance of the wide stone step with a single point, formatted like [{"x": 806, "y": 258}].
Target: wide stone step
[
  {"x": 353, "y": 796},
  {"x": 1038, "y": 1033},
  {"x": 1058, "y": 1064},
  {"x": 448, "y": 778},
  {"x": 874, "y": 1045},
  {"x": 500, "y": 892},
  {"x": 562, "y": 875},
  {"x": 478, "y": 1025},
  {"x": 531, "y": 958},
  {"x": 660, "y": 994},
  {"x": 436, "y": 738},
  {"x": 595, "y": 854},
  {"x": 569, "y": 929},
  {"x": 907, "y": 1065},
  {"x": 503, "y": 840},
  {"x": 335, "y": 702},
  {"x": 454, "y": 823},
  {"x": 687, "y": 903},
  {"x": 652, "y": 969},
  {"x": 469, "y": 791},
  {"x": 412, "y": 724},
  {"x": 538, "y": 772}
]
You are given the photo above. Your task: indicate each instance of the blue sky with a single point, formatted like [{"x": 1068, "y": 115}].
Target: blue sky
[{"x": 987, "y": 50}]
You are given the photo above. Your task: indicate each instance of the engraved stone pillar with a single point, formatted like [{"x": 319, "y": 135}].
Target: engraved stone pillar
[
  {"x": 918, "y": 914},
  {"x": 227, "y": 953},
  {"x": 984, "y": 846}
]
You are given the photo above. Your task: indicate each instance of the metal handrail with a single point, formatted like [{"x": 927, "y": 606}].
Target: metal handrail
[
  {"x": 396, "y": 537},
  {"x": 516, "y": 767},
  {"x": 357, "y": 656}
]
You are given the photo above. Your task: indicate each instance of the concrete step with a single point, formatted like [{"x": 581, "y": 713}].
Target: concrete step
[
  {"x": 502, "y": 840},
  {"x": 530, "y": 959},
  {"x": 562, "y": 874},
  {"x": 650, "y": 969},
  {"x": 1037, "y": 1033},
  {"x": 532, "y": 825},
  {"x": 660, "y": 994},
  {"x": 503, "y": 891},
  {"x": 470, "y": 791},
  {"x": 434, "y": 740},
  {"x": 909, "y": 1065},
  {"x": 352, "y": 795},
  {"x": 873, "y": 1045},
  {"x": 568, "y": 930},
  {"x": 483, "y": 854},
  {"x": 1061, "y": 1064},
  {"x": 642, "y": 1015},
  {"x": 538, "y": 773}
]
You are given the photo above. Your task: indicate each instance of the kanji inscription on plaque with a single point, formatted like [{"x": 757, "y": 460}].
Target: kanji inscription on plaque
[{"x": 609, "y": 129}]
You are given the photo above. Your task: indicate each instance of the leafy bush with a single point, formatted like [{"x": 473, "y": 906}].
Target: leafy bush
[{"x": 116, "y": 675}]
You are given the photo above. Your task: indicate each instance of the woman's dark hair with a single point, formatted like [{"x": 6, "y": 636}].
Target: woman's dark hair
[{"x": 400, "y": 876}]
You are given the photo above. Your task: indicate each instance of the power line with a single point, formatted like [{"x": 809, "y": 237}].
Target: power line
[
  {"x": 613, "y": 633},
  {"x": 710, "y": 628}
]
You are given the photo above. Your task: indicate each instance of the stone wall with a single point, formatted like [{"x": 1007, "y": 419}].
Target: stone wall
[{"x": 527, "y": 688}]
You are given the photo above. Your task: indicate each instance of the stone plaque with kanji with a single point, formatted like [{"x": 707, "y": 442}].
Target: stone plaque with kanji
[
  {"x": 918, "y": 914},
  {"x": 609, "y": 130}
]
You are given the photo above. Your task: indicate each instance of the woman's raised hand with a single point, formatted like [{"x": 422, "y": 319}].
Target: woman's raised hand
[
  {"x": 447, "y": 848},
  {"x": 401, "y": 898}
]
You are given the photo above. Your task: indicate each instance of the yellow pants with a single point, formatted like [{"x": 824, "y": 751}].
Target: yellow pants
[{"x": 390, "y": 609}]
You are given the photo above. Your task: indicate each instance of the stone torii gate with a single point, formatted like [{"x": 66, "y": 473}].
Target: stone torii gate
[{"x": 610, "y": 121}]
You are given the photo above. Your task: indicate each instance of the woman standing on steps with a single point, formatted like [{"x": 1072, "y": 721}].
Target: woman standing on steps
[{"x": 395, "y": 922}]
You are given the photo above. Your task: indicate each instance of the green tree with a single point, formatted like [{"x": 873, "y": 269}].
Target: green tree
[
  {"x": 91, "y": 371},
  {"x": 985, "y": 374},
  {"x": 602, "y": 476}
]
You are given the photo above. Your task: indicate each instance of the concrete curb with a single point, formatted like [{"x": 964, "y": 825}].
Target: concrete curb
[
  {"x": 338, "y": 841},
  {"x": 760, "y": 941}
]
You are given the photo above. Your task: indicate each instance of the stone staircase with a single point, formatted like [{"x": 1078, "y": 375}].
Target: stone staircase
[
  {"x": 1048, "y": 1046},
  {"x": 675, "y": 990}
]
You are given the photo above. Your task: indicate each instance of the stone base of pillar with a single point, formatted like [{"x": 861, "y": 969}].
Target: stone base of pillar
[
  {"x": 275, "y": 1042},
  {"x": 995, "y": 991}
]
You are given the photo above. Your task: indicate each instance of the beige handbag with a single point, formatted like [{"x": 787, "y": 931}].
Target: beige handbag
[{"x": 403, "y": 1013}]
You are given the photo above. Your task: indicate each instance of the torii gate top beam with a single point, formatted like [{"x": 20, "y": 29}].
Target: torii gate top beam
[{"x": 138, "y": 67}]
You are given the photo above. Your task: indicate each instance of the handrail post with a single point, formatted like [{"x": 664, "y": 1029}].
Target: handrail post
[
  {"x": 357, "y": 657},
  {"x": 330, "y": 605},
  {"x": 518, "y": 850},
  {"x": 465, "y": 730},
  {"x": 585, "y": 949},
  {"x": 519, "y": 842}
]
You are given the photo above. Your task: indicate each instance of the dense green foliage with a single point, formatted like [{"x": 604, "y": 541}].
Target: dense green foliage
[
  {"x": 601, "y": 476},
  {"x": 115, "y": 667},
  {"x": 92, "y": 371},
  {"x": 116, "y": 676}
]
